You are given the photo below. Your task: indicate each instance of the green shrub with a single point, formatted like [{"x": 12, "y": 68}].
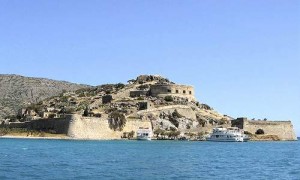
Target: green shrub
[
  {"x": 120, "y": 86},
  {"x": 117, "y": 121},
  {"x": 140, "y": 98},
  {"x": 169, "y": 98},
  {"x": 131, "y": 134},
  {"x": 70, "y": 110},
  {"x": 143, "y": 87},
  {"x": 158, "y": 132}
]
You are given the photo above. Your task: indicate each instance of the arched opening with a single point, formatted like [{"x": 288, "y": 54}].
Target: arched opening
[{"x": 260, "y": 131}]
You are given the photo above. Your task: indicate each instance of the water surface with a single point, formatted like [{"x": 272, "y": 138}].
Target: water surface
[{"x": 66, "y": 159}]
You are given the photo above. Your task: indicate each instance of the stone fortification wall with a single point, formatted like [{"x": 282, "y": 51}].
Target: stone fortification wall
[
  {"x": 183, "y": 110},
  {"x": 162, "y": 90},
  {"x": 98, "y": 128},
  {"x": 57, "y": 125},
  {"x": 283, "y": 129}
]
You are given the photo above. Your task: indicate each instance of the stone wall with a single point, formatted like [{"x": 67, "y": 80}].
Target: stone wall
[
  {"x": 79, "y": 127},
  {"x": 57, "y": 125},
  {"x": 162, "y": 90},
  {"x": 138, "y": 93},
  {"x": 283, "y": 129},
  {"x": 98, "y": 128},
  {"x": 183, "y": 110}
]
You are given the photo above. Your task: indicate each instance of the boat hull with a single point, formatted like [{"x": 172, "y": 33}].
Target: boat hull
[
  {"x": 225, "y": 140},
  {"x": 144, "y": 138}
]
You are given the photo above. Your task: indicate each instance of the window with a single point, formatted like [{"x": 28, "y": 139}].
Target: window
[
  {"x": 190, "y": 92},
  {"x": 177, "y": 91},
  {"x": 184, "y": 92},
  {"x": 169, "y": 90}
]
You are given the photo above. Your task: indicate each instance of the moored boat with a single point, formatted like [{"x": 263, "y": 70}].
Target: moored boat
[
  {"x": 144, "y": 134},
  {"x": 232, "y": 134}
]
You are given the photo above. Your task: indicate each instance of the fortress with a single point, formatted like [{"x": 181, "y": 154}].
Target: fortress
[
  {"x": 163, "y": 90},
  {"x": 111, "y": 111},
  {"x": 282, "y": 129}
]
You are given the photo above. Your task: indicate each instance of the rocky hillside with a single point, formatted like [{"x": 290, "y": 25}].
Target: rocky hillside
[
  {"x": 19, "y": 91},
  {"x": 116, "y": 103}
]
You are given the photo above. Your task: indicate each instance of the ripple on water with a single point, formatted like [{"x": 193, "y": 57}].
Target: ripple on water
[{"x": 57, "y": 159}]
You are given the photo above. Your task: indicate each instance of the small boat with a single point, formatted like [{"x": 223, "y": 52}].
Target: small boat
[
  {"x": 144, "y": 134},
  {"x": 232, "y": 134}
]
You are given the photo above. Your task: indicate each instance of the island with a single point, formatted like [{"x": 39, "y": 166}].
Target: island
[{"x": 117, "y": 111}]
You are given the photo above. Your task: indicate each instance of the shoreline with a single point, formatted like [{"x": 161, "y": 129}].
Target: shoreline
[
  {"x": 32, "y": 137},
  {"x": 75, "y": 139}
]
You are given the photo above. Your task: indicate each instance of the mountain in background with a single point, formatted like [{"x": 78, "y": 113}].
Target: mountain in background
[{"x": 18, "y": 91}]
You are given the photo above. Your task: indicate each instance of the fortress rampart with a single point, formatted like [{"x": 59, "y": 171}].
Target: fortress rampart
[
  {"x": 76, "y": 126},
  {"x": 283, "y": 129},
  {"x": 162, "y": 90},
  {"x": 97, "y": 128}
]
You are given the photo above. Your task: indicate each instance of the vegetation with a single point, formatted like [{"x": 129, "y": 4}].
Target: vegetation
[
  {"x": 222, "y": 121},
  {"x": 120, "y": 86},
  {"x": 131, "y": 134},
  {"x": 143, "y": 87},
  {"x": 117, "y": 121},
  {"x": 86, "y": 112},
  {"x": 70, "y": 110},
  {"x": 158, "y": 132},
  {"x": 173, "y": 134},
  {"x": 169, "y": 98},
  {"x": 248, "y": 133},
  {"x": 128, "y": 135},
  {"x": 51, "y": 116},
  {"x": 140, "y": 98},
  {"x": 201, "y": 121}
]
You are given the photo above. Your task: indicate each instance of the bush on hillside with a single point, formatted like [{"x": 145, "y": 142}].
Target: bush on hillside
[
  {"x": 169, "y": 98},
  {"x": 117, "y": 121}
]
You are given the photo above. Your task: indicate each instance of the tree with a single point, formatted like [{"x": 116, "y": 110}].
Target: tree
[
  {"x": 117, "y": 121},
  {"x": 120, "y": 86},
  {"x": 169, "y": 98},
  {"x": 131, "y": 134},
  {"x": 157, "y": 132},
  {"x": 86, "y": 112}
]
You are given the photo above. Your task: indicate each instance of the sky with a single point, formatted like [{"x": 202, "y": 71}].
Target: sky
[{"x": 242, "y": 57}]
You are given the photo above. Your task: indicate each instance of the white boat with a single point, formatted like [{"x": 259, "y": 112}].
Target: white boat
[
  {"x": 144, "y": 134},
  {"x": 232, "y": 134}
]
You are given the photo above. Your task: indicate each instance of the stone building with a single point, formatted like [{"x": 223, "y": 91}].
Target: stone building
[
  {"x": 283, "y": 129},
  {"x": 163, "y": 90}
]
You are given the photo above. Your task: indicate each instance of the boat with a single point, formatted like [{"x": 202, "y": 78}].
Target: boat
[
  {"x": 231, "y": 134},
  {"x": 144, "y": 134}
]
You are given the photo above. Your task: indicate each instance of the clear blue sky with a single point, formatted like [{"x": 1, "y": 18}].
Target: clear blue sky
[{"x": 243, "y": 57}]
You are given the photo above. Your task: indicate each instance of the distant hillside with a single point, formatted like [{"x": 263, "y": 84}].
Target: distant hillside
[{"x": 18, "y": 91}]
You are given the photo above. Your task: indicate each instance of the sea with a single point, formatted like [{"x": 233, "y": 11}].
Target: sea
[{"x": 75, "y": 159}]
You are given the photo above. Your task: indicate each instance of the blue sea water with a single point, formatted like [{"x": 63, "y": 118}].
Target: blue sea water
[{"x": 66, "y": 159}]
